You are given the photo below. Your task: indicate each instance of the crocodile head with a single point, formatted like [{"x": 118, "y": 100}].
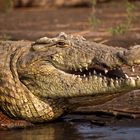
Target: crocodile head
[{"x": 70, "y": 66}]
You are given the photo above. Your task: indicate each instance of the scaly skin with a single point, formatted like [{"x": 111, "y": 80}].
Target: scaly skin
[{"x": 37, "y": 78}]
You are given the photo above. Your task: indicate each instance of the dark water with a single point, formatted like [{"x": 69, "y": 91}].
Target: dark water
[{"x": 72, "y": 131}]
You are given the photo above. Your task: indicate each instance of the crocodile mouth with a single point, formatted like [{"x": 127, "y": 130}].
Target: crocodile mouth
[
  {"x": 123, "y": 72},
  {"x": 86, "y": 72},
  {"x": 115, "y": 73}
]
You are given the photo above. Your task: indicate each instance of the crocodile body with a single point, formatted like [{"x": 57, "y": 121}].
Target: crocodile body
[{"x": 38, "y": 78}]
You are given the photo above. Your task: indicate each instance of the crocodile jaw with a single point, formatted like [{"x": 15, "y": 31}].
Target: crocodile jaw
[
  {"x": 55, "y": 83},
  {"x": 96, "y": 83},
  {"x": 65, "y": 68}
]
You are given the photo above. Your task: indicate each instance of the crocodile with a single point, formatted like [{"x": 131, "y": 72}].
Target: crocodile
[{"x": 38, "y": 77}]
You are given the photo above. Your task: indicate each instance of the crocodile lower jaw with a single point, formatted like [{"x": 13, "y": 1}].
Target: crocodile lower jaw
[{"x": 108, "y": 77}]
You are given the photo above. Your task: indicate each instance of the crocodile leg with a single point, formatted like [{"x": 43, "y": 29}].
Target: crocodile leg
[{"x": 8, "y": 123}]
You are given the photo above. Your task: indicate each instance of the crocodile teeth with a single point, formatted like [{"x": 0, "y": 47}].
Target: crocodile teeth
[
  {"x": 73, "y": 76},
  {"x": 132, "y": 81},
  {"x": 112, "y": 82},
  {"x": 100, "y": 74},
  {"x": 94, "y": 72},
  {"x": 84, "y": 75},
  {"x": 89, "y": 73},
  {"x": 133, "y": 69},
  {"x": 78, "y": 76},
  {"x": 106, "y": 71},
  {"x": 126, "y": 76},
  {"x": 104, "y": 78},
  {"x": 90, "y": 77},
  {"x": 86, "y": 79},
  {"x": 86, "y": 68},
  {"x": 75, "y": 69},
  {"x": 116, "y": 82},
  {"x": 80, "y": 70}
]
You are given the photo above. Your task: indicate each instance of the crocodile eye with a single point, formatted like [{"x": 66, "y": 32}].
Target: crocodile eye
[{"x": 61, "y": 44}]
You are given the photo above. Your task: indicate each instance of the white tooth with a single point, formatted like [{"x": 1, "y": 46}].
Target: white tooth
[
  {"x": 73, "y": 76},
  {"x": 86, "y": 79},
  {"x": 78, "y": 76},
  {"x": 89, "y": 73},
  {"x": 95, "y": 77},
  {"x": 94, "y": 72},
  {"x": 104, "y": 78},
  {"x": 106, "y": 71},
  {"x": 133, "y": 69},
  {"x": 121, "y": 80},
  {"x": 126, "y": 76},
  {"x": 112, "y": 82},
  {"x": 80, "y": 69},
  {"x": 100, "y": 79},
  {"x": 116, "y": 78},
  {"x": 132, "y": 81},
  {"x": 90, "y": 77},
  {"x": 86, "y": 68},
  {"x": 116, "y": 82},
  {"x": 105, "y": 84},
  {"x": 84, "y": 75},
  {"x": 100, "y": 74}
]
